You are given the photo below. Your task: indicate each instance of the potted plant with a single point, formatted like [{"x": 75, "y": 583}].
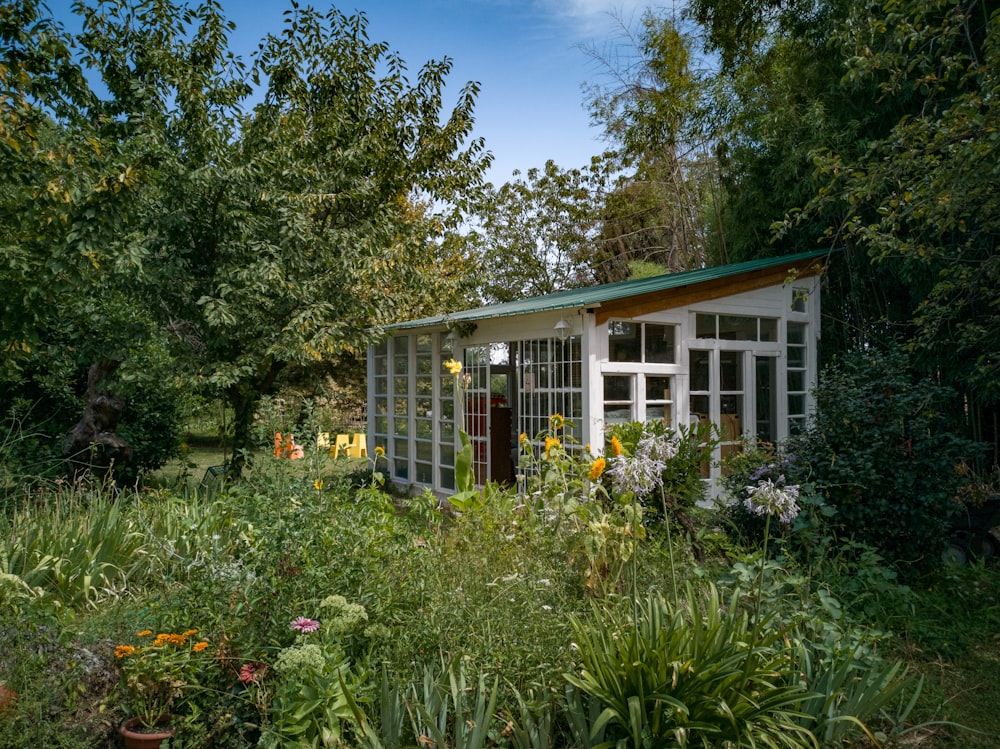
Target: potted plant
[{"x": 154, "y": 673}]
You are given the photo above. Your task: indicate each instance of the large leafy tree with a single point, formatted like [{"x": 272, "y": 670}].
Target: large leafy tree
[
  {"x": 268, "y": 233},
  {"x": 653, "y": 109},
  {"x": 538, "y": 233}
]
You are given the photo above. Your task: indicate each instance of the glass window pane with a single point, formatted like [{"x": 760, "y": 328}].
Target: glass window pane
[
  {"x": 381, "y": 425},
  {"x": 425, "y": 473},
  {"x": 796, "y": 332},
  {"x": 381, "y": 385},
  {"x": 623, "y": 341},
  {"x": 737, "y": 328},
  {"x": 448, "y": 478},
  {"x": 768, "y": 329},
  {"x": 424, "y": 343},
  {"x": 425, "y": 428},
  {"x": 731, "y": 370},
  {"x": 796, "y": 380},
  {"x": 425, "y": 451},
  {"x": 659, "y": 343},
  {"x": 704, "y": 326},
  {"x": 699, "y": 408},
  {"x": 796, "y": 405},
  {"x": 796, "y": 356},
  {"x": 401, "y": 448},
  {"x": 699, "y": 369},
  {"x": 401, "y": 469},
  {"x": 617, "y": 387},
  {"x": 658, "y": 388},
  {"x": 617, "y": 415}
]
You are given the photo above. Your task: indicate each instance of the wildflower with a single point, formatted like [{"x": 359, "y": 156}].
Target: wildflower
[
  {"x": 596, "y": 469},
  {"x": 144, "y": 633},
  {"x": 199, "y": 646},
  {"x": 189, "y": 632},
  {"x": 640, "y": 474},
  {"x": 123, "y": 651},
  {"x": 454, "y": 367},
  {"x": 771, "y": 498},
  {"x": 318, "y": 484},
  {"x": 252, "y": 673},
  {"x": 658, "y": 447},
  {"x": 305, "y": 625},
  {"x": 551, "y": 443},
  {"x": 556, "y": 422},
  {"x": 300, "y": 659},
  {"x": 616, "y": 446}
]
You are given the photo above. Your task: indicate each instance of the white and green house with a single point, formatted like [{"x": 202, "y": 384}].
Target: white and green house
[{"x": 732, "y": 345}]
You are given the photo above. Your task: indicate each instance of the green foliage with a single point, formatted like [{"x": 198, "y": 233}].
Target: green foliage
[
  {"x": 72, "y": 549},
  {"x": 260, "y": 240},
  {"x": 535, "y": 235},
  {"x": 884, "y": 452},
  {"x": 695, "y": 673}
]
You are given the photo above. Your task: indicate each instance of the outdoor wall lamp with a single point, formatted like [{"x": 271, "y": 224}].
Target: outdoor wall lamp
[{"x": 562, "y": 329}]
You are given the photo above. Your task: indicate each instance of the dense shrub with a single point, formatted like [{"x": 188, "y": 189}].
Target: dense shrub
[{"x": 884, "y": 450}]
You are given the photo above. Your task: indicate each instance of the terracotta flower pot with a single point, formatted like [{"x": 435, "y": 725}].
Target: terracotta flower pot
[{"x": 138, "y": 736}]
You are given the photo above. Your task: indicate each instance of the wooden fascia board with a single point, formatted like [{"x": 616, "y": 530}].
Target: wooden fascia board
[{"x": 656, "y": 301}]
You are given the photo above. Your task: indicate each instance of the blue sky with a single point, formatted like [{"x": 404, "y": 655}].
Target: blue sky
[{"x": 528, "y": 55}]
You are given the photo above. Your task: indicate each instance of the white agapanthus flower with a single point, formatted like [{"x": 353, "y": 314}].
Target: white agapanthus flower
[
  {"x": 642, "y": 473},
  {"x": 775, "y": 499}
]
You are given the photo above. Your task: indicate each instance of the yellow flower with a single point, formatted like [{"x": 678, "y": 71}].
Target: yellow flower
[
  {"x": 144, "y": 633},
  {"x": 523, "y": 439},
  {"x": 318, "y": 483},
  {"x": 616, "y": 446},
  {"x": 551, "y": 443},
  {"x": 379, "y": 451},
  {"x": 556, "y": 422},
  {"x": 199, "y": 646},
  {"x": 125, "y": 650},
  {"x": 596, "y": 469},
  {"x": 455, "y": 367},
  {"x": 189, "y": 633}
]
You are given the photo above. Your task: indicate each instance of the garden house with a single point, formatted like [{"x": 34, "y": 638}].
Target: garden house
[{"x": 735, "y": 346}]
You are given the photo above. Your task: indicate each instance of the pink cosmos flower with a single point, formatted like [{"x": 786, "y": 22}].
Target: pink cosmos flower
[
  {"x": 305, "y": 625},
  {"x": 252, "y": 673}
]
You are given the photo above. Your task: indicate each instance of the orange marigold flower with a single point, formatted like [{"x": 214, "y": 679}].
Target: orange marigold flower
[
  {"x": 199, "y": 646},
  {"x": 144, "y": 633},
  {"x": 551, "y": 443},
  {"x": 596, "y": 469},
  {"x": 189, "y": 633},
  {"x": 556, "y": 422},
  {"x": 616, "y": 446},
  {"x": 125, "y": 650}
]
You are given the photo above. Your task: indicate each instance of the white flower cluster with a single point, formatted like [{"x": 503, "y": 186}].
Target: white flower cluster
[
  {"x": 299, "y": 659},
  {"x": 642, "y": 473},
  {"x": 775, "y": 499}
]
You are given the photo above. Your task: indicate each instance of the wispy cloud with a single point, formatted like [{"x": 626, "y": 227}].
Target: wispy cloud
[{"x": 595, "y": 17}]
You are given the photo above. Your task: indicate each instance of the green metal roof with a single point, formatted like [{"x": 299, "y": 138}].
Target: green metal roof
[{"x": 592, "y": 296}]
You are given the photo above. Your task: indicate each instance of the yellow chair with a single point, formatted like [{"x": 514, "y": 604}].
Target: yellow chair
[
  {"x": 359, "y": 447},
  {"x": 343, "y": 442}
]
